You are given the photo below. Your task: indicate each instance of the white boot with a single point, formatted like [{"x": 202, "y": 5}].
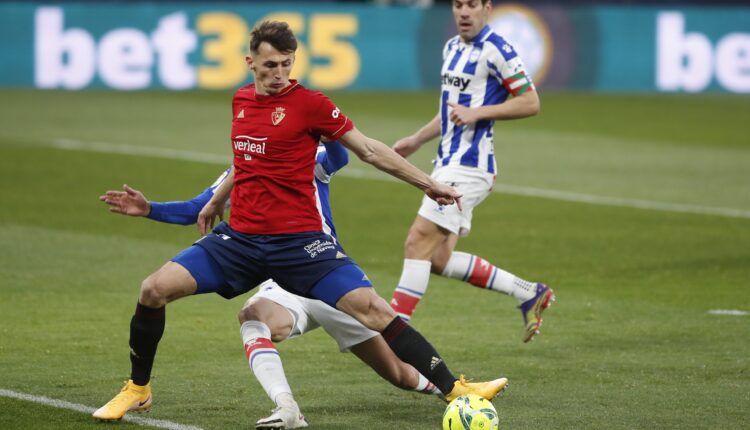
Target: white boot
[{"x": 283, "y": 417}]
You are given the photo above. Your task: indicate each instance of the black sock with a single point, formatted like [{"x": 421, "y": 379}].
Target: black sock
[
  {"x": 411, "y": 347},
  {"x": 146, "y": 329}
]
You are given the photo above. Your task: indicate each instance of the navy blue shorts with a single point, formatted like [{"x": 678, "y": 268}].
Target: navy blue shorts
[
  {"x": 205, "y": 270},
  {"x": 300, "y": 263}
]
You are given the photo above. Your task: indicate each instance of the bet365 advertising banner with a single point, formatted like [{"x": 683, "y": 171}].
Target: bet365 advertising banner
[
  {"x": 178, "y": 47},
  {"x": 365, "y": 47}
]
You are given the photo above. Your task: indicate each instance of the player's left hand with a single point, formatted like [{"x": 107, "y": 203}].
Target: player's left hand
[
  {"x": 207, "y": 216},
  {"x": 462, "y": 115},
  {"x": 444, "y": 194},
  {"x": 129, "y": 202}
]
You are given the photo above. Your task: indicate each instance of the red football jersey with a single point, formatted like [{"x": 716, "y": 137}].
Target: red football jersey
[{"x": 274, "y": 139}]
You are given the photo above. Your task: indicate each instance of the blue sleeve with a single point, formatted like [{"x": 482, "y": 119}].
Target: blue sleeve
[
  {"x": 334, "y": 158},
  {"x": 184, "y": 212}
]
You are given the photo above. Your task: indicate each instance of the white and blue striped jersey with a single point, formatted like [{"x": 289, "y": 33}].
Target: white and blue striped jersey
[{"x": 481, "y": 72}]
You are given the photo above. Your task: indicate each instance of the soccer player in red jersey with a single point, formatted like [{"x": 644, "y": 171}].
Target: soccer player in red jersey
[
  {"x": 275, "y": 230},
  {"x": 273, "y": 314}
]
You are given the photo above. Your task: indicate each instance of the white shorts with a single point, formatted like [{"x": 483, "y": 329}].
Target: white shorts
[
  {"x": 474, "y": 186},
  {"x": 309, "y": 314}
]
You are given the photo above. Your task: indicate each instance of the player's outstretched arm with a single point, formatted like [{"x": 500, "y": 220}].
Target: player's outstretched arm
[
  {"x": 184, "y": 212},
  {"x": 127, "y": 202},
  {"x": 216, "y": 205},
  {"x": 378, "y": 154},
  {"x": 132, "y": 202},
  {"x": 410, "y": 144}
]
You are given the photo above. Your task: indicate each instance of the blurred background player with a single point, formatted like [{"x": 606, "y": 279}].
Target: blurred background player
[
  {"x": 273, "y": 314},
  {"x": 276, "y": 230},
  {"x": 480, "y": 71}
]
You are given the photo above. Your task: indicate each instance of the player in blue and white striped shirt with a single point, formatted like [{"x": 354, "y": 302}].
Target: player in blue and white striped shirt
[{"x": 479, "y": 74}]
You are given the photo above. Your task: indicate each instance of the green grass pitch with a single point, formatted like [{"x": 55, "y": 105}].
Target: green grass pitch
[{"x": 628, "y": 345}]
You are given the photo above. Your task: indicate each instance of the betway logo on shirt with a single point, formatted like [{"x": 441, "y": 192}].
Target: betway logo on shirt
[
  {"x": 456, "y": 81},
  {"x": 249, "y": 145}
]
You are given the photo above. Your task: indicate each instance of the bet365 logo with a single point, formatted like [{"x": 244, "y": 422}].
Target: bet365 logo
[{"x": 177, "y": 56}]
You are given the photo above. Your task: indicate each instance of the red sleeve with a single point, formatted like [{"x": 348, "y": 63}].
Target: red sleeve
[{"x": 326, "y": 119}]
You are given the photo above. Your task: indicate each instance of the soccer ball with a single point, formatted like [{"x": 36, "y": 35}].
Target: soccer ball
[{"x": 470, "y": 412}]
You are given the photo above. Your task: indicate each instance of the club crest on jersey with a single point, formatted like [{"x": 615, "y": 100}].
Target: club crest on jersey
[
  {"x": 278, "y": 115},
  {"x": 474, "y": 56}
]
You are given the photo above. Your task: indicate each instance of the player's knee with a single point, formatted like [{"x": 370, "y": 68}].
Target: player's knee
[
  {"x": 152, "y": 292},
  {"x": 368, "y": 308},
  {"x": 166, "y": 285},
  {"x": 250, "y": 312},
  {"x": 256, "y": 310},
  {"x": 380, "y": 313}
]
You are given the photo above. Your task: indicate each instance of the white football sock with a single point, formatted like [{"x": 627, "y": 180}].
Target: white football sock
[
  {"x": 265, "y": 361},
  {"x": 286, "y": 400},
  {"x": 411, "y": 287},
  {"x": 425, "y": 386},
  {"x": 479, "y": 272}
]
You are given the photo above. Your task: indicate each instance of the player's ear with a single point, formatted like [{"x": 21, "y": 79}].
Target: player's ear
[{"x": 249, "y": 61}]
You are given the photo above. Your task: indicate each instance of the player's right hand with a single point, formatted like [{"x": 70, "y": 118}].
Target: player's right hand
[
  {"x": 406, "y": 146},
  {"x": 444, "y": 194},
  {"x": 207, "y": 216},
  {"x": 129, "y": 202}
]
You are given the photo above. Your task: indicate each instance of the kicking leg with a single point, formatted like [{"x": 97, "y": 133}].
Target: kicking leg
[
  {"x": 375, "y": 353},
  {"x": 409, "y": 345}
]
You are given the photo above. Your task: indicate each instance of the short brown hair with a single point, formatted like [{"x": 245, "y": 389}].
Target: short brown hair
[{"x": 276, "y": 33}]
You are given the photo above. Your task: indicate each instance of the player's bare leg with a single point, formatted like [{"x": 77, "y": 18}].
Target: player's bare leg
[
  {"x": 376, "y": 353},
  {"x": 263, "y": 322},
  {"x": 442, "y": 253},
  {"x": 533, "y": 298},
  {"x": 367, "y": 307},
  {"x": 422, "y": 243},
  {"x": 169, "y": 283},
  {"x": 364, "y": 305},
  {"x": 430, "y": 248}
]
